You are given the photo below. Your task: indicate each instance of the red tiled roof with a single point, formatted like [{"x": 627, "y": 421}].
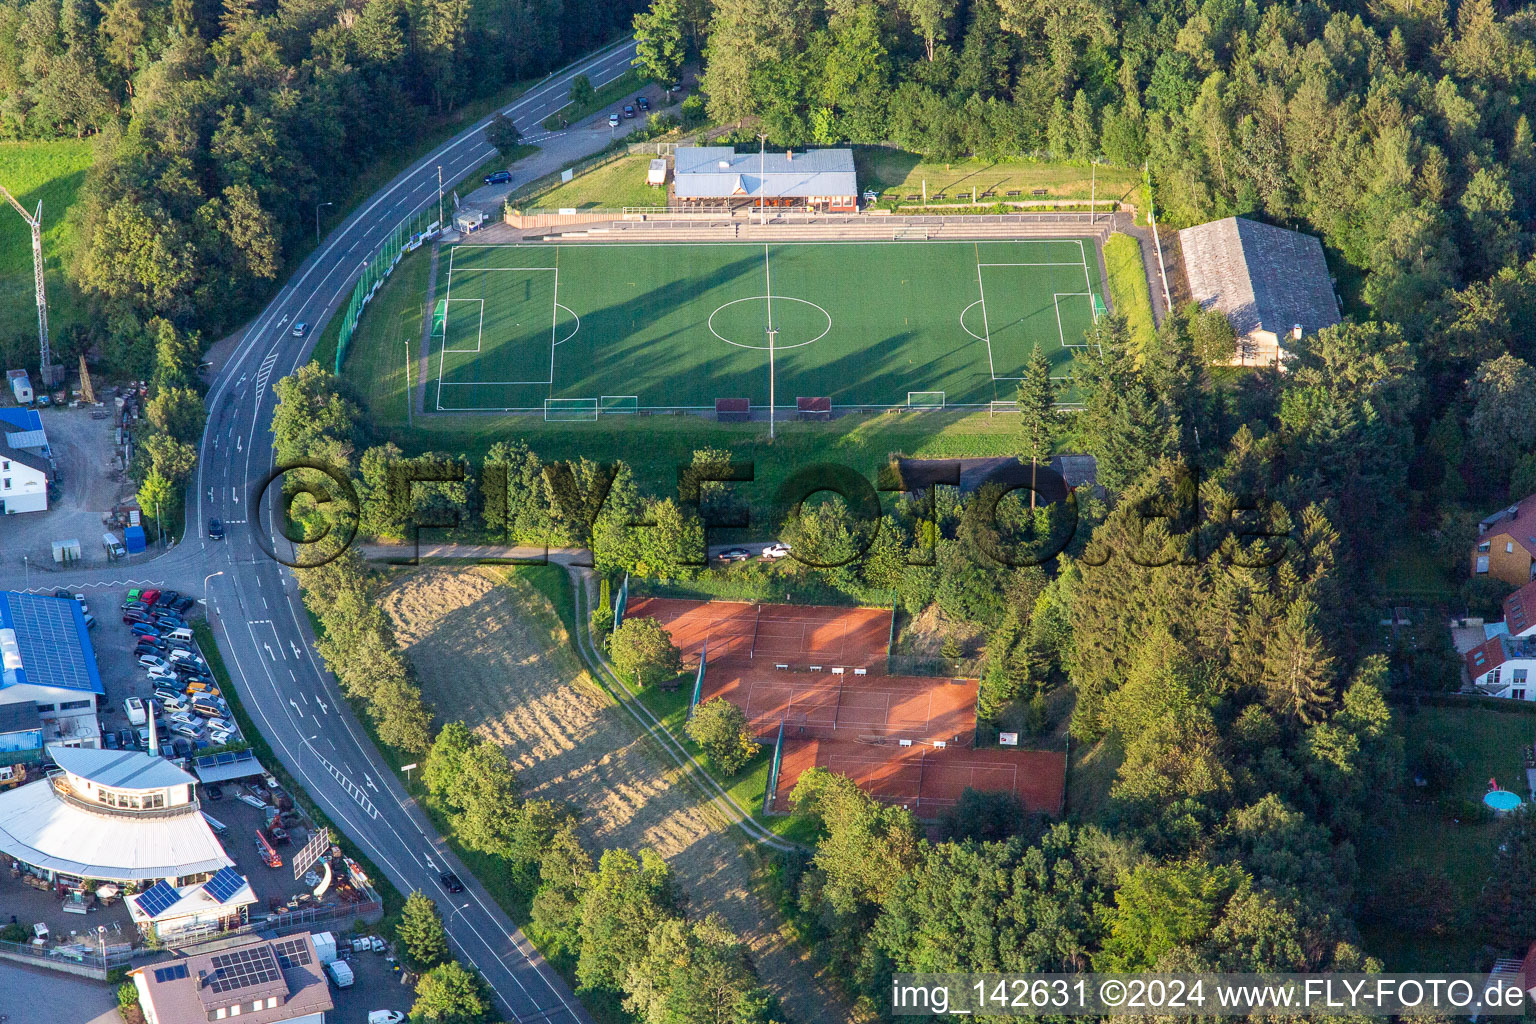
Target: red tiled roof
[
  {"x": 1489, "y": 654},
  {"x": 1520, "y": 609}
]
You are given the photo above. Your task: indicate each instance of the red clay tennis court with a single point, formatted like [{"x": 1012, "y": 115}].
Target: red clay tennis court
[
  {"x": 796, "y": 635},
  {"x": 924, "y": 780},
  {"x": 831, "y": 706}
]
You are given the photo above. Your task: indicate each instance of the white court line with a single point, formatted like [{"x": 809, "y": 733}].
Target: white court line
[
  {"x": 986, "y": 328},
  {"x": 479, "y": 337}
]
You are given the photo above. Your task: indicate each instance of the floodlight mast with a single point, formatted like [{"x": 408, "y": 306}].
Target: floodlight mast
[{"x": 35, "y": 222}]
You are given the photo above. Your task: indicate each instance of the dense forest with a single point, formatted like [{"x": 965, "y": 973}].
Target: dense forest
[{"x": 223, "y": 125}]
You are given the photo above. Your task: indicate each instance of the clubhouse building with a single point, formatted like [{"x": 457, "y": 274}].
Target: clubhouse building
[{"x": 817, "y": 179}]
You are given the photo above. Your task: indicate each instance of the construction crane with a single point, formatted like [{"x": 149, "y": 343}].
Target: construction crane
[{"x": 35, "y": 222}]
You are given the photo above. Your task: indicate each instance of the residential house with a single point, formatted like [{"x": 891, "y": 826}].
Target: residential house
[
  {"x": 268, "y": 981},
  {"x": 1504, "y": 666},
  {"x": 1506, "y": 544},
  {"x": 26, "y": 466}
]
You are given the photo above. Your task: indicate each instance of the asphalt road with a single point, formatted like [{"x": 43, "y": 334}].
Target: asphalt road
[{"x": 263, "y": 631}]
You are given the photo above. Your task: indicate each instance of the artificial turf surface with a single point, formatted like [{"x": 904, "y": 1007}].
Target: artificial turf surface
[{"x": 680, "y": 325}]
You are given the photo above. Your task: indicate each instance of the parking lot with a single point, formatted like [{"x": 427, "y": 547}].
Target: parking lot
[
  {"x": 122, "y": 676},
  {"x": 378, "y": 987}
]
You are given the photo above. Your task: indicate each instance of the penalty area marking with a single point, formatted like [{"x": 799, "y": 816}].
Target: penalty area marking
[
  {"x": 763, "y": 298},
  {"x": 571, "y": 311}
]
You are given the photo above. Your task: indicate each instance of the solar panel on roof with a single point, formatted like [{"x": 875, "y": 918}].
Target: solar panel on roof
[
  {"x": 292, "y": 953},
  {"x": 223, "y": 885},
  {"x": 158, "y": 898},
  {"x": 244, "y": 968},
  {"x": 51, "y": 649},
  {"x": 171, "y": 973},
  {"x": 227, "y": 758}
]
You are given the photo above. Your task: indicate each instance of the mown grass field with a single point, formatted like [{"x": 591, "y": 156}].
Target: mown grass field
[
  {"x": 678, "y": 326},
  {"x": 51, "y": 172},
  {"x": 609, "y": 187},
  {"x": 1430, "y": 844},
  {"x": 652, "y": 445},
  {"x": 896, "y": 174},
  {"x": 1128, "y": 287}
]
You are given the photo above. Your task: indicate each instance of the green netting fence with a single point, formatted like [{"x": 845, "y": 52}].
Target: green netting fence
[{"x": 406, "y": 236}]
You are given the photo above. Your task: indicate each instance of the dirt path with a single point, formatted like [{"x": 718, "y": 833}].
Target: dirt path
[{"x": 489, "y": 649}]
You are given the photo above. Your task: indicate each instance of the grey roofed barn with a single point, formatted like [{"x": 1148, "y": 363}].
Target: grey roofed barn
[
  {"x": 1262, "y": 277},
  {"x": 719, "y": 172}
]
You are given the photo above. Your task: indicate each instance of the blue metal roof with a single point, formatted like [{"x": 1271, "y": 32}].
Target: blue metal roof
[
  {"x": 53, "y": 647},
  {"x": 701, "y": 172},
  {"x": 21, "y": 419}
]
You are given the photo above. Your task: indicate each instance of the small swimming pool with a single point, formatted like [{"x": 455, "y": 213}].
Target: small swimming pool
[{"x": 1502, "y": 800}]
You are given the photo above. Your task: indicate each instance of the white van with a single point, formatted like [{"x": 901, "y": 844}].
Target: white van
[{"x": 180, "y": 635}]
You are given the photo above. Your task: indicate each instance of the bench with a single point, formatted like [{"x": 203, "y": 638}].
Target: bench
[
  {"x": 782, "y": 668},
  {"x": 815, "y": 668},
  {"x": 861, "y": 671},
  {"x": 1013, "y": 192},
  {"x": 1039, "y": 192},
  {"x": 837, "y": 671}
]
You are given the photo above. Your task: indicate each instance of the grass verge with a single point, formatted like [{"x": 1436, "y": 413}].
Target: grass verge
[
  {"x": 896, "y": 174},
  {"x": 629, "y": 81},
  {"x": 1128, "y": 287}
]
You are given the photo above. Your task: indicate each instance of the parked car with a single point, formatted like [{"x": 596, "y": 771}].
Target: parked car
[
  {"x": 215, "y": 530},
  {"x": 153, "y": 661},
  {"x": 183, "y": 605},
  {"x": 135, "y": 606},
  {"x": 150, "y": 596},
  {"x": 629, "y": 110},
  {"x": 145, "y": 630},
  {"x": 189, "y": 731},
  {"x": 131, "y": 596},
  {"x": 734, "y": 555},
  {"x": 613, "y": 120},
  {"x": 642, "y": 103},
  {"x": 89, "y": 619},
  {"x": 109, "y": 740},
  {"x": 214, "y": 791},
  {"x": 62, "y": 593},
  {"x": 186, "y": 657},
  {"x": 451, "y": 882},
  {"x": 776, "y": 551},
  {"x": 166, "y": 598},
  {"x": 299, "y": 329},
  {"x": 144, "y": 643},
  {"x": 385, "y": 1017},
  {"x": 126, "y": 740},
  {"x": 159, "y": 675},
  {"x": 498, "y": 177}
]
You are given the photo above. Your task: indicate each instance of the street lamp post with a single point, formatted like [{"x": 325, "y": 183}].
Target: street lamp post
[
  {"x": 317, "y": 218},
  {"x": 205, "y": 585},
  {"x": 26, "y": 565}
]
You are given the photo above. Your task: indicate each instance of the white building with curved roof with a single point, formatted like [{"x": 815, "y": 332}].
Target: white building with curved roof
[{"x": 113, "y": 815}]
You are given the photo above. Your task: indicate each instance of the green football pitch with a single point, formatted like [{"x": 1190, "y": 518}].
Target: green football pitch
[{"x": 568, "y": 329}]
